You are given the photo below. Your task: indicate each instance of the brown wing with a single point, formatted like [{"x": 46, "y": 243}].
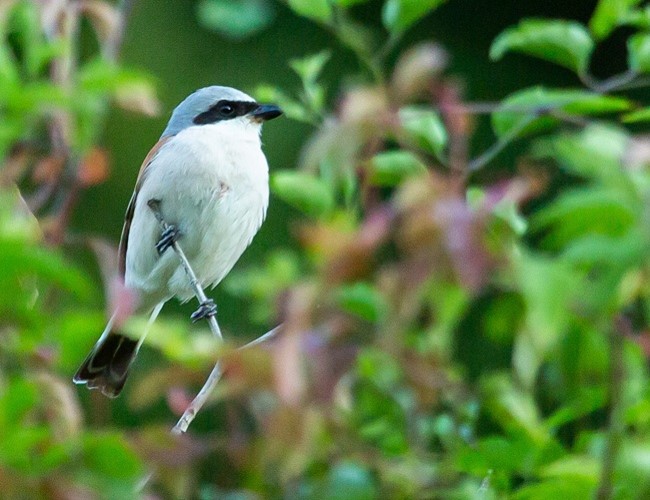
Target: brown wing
[{"x": 128, "y": 218}]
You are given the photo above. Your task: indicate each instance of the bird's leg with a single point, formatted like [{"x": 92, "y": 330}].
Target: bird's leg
[
  {"x": 170, "y": 233},
  {"x": 206, "y": 309},
  {"x": 168, "y": 237}
]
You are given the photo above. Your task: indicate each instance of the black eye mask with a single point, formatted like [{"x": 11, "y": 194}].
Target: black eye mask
[{"x": 225, "y": 110}]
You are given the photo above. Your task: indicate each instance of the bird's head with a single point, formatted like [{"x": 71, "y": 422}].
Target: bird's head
[{"x": 224, "y": 106}]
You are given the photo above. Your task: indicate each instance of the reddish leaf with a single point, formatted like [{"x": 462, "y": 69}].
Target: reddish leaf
[{"x": 94, "y": 168}]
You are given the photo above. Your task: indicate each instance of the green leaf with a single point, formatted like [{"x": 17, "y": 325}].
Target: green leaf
[
  {"x": 100, "y": 80},
  {"x": 21, "y": 448},
  {"x": 609, "y": 14},
  {"x": 39, "y": 97},
  {"x": 264, "y": 283},
  {"x": 555, "y": 488},
  {"x": 29, "y": 261},
  {"x": 380, "y": 402},
  {"x": 392, "y": 167},
  {"x": 506, "y": 209},
  {"x": 280, "y": 269},
  {"x": 100, "y": 76},
  {"x": 585, "y": 402},
  {"x": 596, "y": 152},
  {"x": 291, "y": 107},
  {"x": 110, "y": 455},
  {"x": 362, "y": 300},
  {"x": 639, "y": 18},
  {"x": 25, "y": 23},
  {"x": 641, "y": 115},
  {"x": 547, "y": 287},
  {"x": 399, "y": 15},
  {"x": 566, "y": 43},
  {"x": 17, "y": 399},
  {"x": 513, "y": 409},
  {"x": 349, "y": 3},
  {"x": 77, "y": 332},
  {"x": 495, "y": 453},
  {"x": 638, "y": 47},
  {"x": 603, "y": 250},
  {"x": 236, "y": 19},
  {"x": 9, "y": 76},
  {"x": 316, "y": 10},
  {"x": 527, "y": 111},
  {"x": 424, "y": 129},
  {"x": 309, "y": 68},
  {"x": 173, "y": 340},
  {"x": 449, "y": 302},
  {"x": 17, "y": 222},
  {"x": 303, "y": 191},
  {"x": 379, "y": 367},
  {"x": 633, "y": 468},
  {"x": 580, "y": 212}
]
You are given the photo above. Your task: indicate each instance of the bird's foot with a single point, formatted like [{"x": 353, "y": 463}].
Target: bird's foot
[
  {"x": 167, "y": 239},
  {"x": 207, "y": 309}
]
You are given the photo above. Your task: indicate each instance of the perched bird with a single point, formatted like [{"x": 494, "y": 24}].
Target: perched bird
[{"x": 208, "y": 179}]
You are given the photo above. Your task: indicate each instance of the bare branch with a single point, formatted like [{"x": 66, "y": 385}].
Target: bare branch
[{"x": 211, "y": 382}]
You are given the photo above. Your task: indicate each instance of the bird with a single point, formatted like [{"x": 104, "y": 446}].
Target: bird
[{"x": 207, "y": 178}]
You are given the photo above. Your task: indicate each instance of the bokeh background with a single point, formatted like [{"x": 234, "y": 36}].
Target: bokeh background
[
  {"x": 456, "y": 325},
  {"x": 169, "y": 40}
]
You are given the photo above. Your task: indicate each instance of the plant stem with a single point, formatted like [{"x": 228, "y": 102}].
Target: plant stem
[
  {"x": 154, "y": 205},
  {"x": 200, "y": 399},
  {"x": 211, "y": 382},
  {"x": 362, "y": 52},
  {"x": 488, "y": 155},
  {"x": 611, "y": 84},
  {"x": 615, "y": 425},
  {"x": 215, "y": 375}
]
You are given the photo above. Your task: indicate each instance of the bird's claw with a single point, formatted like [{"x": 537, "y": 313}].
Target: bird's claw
[
  {"x": 167, "y": 239},
  {"x": 207, "y": 309}
]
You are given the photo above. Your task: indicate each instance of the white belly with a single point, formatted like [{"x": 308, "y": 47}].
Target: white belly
[{"x": 214, "y": 189}]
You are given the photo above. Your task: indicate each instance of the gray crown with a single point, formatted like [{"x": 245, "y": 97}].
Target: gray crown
[{"x": 198, "y": 102}]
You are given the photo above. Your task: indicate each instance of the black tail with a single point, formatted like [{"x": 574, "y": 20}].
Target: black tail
[{"x": 107, "y": 365}]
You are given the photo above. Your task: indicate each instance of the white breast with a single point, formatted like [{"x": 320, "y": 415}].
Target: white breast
[{"x": 212, "y": 181}]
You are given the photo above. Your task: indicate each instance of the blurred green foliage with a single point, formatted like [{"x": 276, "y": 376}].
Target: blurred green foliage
[{"x": 454, "y": 326}]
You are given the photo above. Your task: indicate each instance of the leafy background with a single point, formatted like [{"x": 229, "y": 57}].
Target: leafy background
[{"x": 457, "y": 246}]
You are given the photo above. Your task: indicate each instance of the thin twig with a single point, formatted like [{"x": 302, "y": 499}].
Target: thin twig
[
  {"x": 638, "y": 83},
  {"x": 198, "y": 402},
  {"x": 200, "y": 399},
  {"x": 215, "y": 375},
  {"x": 366, "y": 59},
  {"x": 488, "y": 155},
  {"x": 154, "y": 205},
  {"x": 618, "y": 82},
  {"x": 393, "y": 40},
  {"x": 211, "y": 382},
  {"x": 611, "y": 84},
  {"x": 262, "y": 338}
]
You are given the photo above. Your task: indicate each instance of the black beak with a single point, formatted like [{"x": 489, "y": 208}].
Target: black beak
[{"x": 266, "y": 112}]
